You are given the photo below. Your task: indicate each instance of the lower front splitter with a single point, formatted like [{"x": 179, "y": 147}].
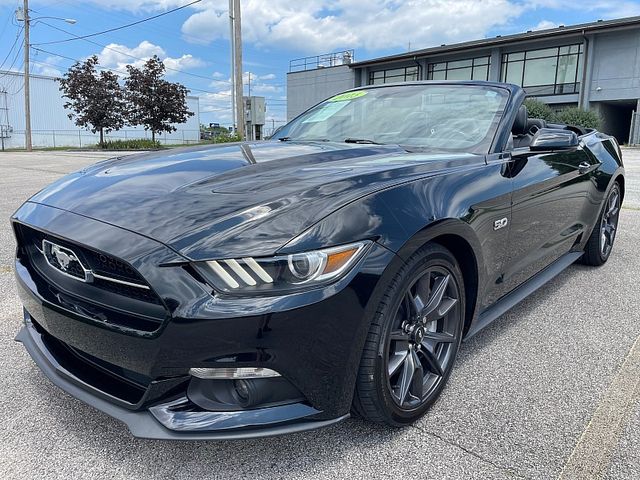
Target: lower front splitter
[{"x": 143, "y": 424}]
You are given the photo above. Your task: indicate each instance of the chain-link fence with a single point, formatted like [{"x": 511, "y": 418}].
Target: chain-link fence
[
  {"x": 634, "y": 131},
  {"x": 15, "y": 139},
  {"x": 82, "y": 138},
  {"x": 271, "y": 126}
]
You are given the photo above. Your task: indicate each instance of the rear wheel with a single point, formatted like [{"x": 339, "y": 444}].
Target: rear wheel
[
  {"x": 600, "y": 243},
  {"x": 413, "y": 340}
]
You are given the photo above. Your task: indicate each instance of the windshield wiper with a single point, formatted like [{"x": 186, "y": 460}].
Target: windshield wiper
[
  {"x": 289, "y": 139},
  {"x": 362, "y": 141}
]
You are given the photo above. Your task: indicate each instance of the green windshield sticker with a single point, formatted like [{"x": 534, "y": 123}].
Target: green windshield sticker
[{"x": 343, "y": 97}]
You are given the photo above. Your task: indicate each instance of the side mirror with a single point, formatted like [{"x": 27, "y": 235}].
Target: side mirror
[{"x": 554, "y": 139}]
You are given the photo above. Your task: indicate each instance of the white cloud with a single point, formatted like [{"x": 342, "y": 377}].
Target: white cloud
[
  {"x": 258, "y": 82},
  {"x": 317, "y": 26},
  {"x": 323, "y": 25},
  {"x": 185, "y": 62},
  {"x": 545, "y": 25},
  {"x": 45, "y": 67},
  {"x": 117, "y": 57}
]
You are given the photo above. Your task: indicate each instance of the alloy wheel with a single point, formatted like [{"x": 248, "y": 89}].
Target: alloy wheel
[
  {"x": 424, "y": 337},
  {"x": 609, "y": 223}
]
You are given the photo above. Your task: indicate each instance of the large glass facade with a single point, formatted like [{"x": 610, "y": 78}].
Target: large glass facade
[
  {"x": 469, "y": 69},
  {"x": 394, "y": 75},
  {"x": 548, "y": 71}
]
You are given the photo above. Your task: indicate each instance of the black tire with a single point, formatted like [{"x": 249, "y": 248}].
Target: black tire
[
  {"x": 600, "y": 244},
  {"x": 381, "y": 394}
]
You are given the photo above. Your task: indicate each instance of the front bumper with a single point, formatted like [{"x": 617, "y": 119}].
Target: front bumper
[
  {"x": 313, "y": 340},
  {"x": 241, "y": 425}
]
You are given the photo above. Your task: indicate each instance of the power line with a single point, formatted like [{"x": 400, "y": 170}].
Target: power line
[
  {"x": 120, "y": 52},
  {"x": 225, "y": 94},
  {"x": 116, "y": 71},
  {"x": 120, "y": 17},
  {"x": 122, "y": 26},
  {"x": 12, "y": 63},
  {"x": 195, "y": 75},
  {"x": 12, "y": 47}
]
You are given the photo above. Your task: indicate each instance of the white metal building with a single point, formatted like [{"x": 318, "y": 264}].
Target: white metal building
[{"x": 50, "y": 124}]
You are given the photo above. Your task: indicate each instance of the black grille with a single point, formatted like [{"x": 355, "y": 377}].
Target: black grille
[
  {"x": 137, "y": 293},
  {"x": 114, "y": 293},
  {"x": 94, "y": 260},
  {"x": 112, "y": 267}
]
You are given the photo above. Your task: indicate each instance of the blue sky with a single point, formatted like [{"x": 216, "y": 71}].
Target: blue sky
[{"x": 193, "y": 42}]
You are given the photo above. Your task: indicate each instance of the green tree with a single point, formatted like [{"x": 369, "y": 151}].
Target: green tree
[
  {"x": 581, "y": 118},
  {"x": 154, "y": 102},
  {"x": 95, "y": 100},
  {"x": 538, "y": 109}
]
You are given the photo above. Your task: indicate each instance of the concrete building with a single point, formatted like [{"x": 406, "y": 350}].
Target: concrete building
[
  {"x": 51, "y": 126},
  {"x": 594, "y": 66}
]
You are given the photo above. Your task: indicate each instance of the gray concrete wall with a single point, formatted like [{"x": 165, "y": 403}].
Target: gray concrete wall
[
  {"x": 306, "y": 88},
  {"x": 616, "y": 66}
]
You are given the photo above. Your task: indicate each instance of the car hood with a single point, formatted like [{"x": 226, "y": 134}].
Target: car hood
[{"x": 235, "y": 199}]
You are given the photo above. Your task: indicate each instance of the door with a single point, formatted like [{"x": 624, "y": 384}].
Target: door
[{"x": 549, "y": 209}]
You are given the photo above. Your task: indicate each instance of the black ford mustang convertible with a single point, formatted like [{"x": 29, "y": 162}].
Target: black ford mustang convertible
[{"x": 254, "y": 289}]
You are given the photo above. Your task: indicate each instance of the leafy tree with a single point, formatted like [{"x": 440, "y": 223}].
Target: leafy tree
[
  {"x": 538, "y": 109},
  {"x": 581, "y": 118},
  {"x": 154, "y": 102},
  {"x": 569, "y": 116},
  {"x": 96, "y": 100}
]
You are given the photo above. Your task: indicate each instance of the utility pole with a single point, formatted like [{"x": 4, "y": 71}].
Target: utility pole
[
  {"x": 27, "y": 102},
  {"x": 232, "y": 76},
  {"x": 237, "y": 47}
]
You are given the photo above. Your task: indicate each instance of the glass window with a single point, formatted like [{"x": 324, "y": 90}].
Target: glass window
[
  {"x": 394, "y": 75},
  {"x": 459, "y": 74},
  {"x": 438, "y": 75},
  {"x": 548, "y": 71},
  {"x": 540, "y": 71},
  {"x": 546, "y": 52},
  {"x": 480, "y": 73},
  {"x": 469, "y": 69},
  {"x": 460, "y": 63},
  {"x": 515, "y": 56},
  {"x": 570, "y": 49},
  {"x": 395, "y": 72},
  {"x": 567, "y": 68},
  {"x": 514, "y": 72}
]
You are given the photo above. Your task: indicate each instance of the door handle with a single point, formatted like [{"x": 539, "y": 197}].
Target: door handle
[{"x": 584, "y": 167}]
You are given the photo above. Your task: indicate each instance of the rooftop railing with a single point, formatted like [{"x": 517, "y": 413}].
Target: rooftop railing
[{"x": 325, "y": 60}]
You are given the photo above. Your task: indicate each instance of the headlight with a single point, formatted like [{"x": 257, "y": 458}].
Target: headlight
[{"x": 284, "y": 273}]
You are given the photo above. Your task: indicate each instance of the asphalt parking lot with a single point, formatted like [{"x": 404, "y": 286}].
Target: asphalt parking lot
[{"x": 551, "y": 389}]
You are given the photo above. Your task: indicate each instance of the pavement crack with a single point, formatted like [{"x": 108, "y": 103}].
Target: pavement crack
[
  {"x": 44, "y": 170},
  {"x": 508, "y": 470}
]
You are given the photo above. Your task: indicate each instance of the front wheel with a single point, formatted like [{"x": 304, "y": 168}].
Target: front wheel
[
  {"x": 413, "y": 339},
  {"x": 600, "y": 243}
]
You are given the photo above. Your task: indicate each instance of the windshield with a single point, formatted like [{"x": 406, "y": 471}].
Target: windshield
[{"x": 431, "y": 116}]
